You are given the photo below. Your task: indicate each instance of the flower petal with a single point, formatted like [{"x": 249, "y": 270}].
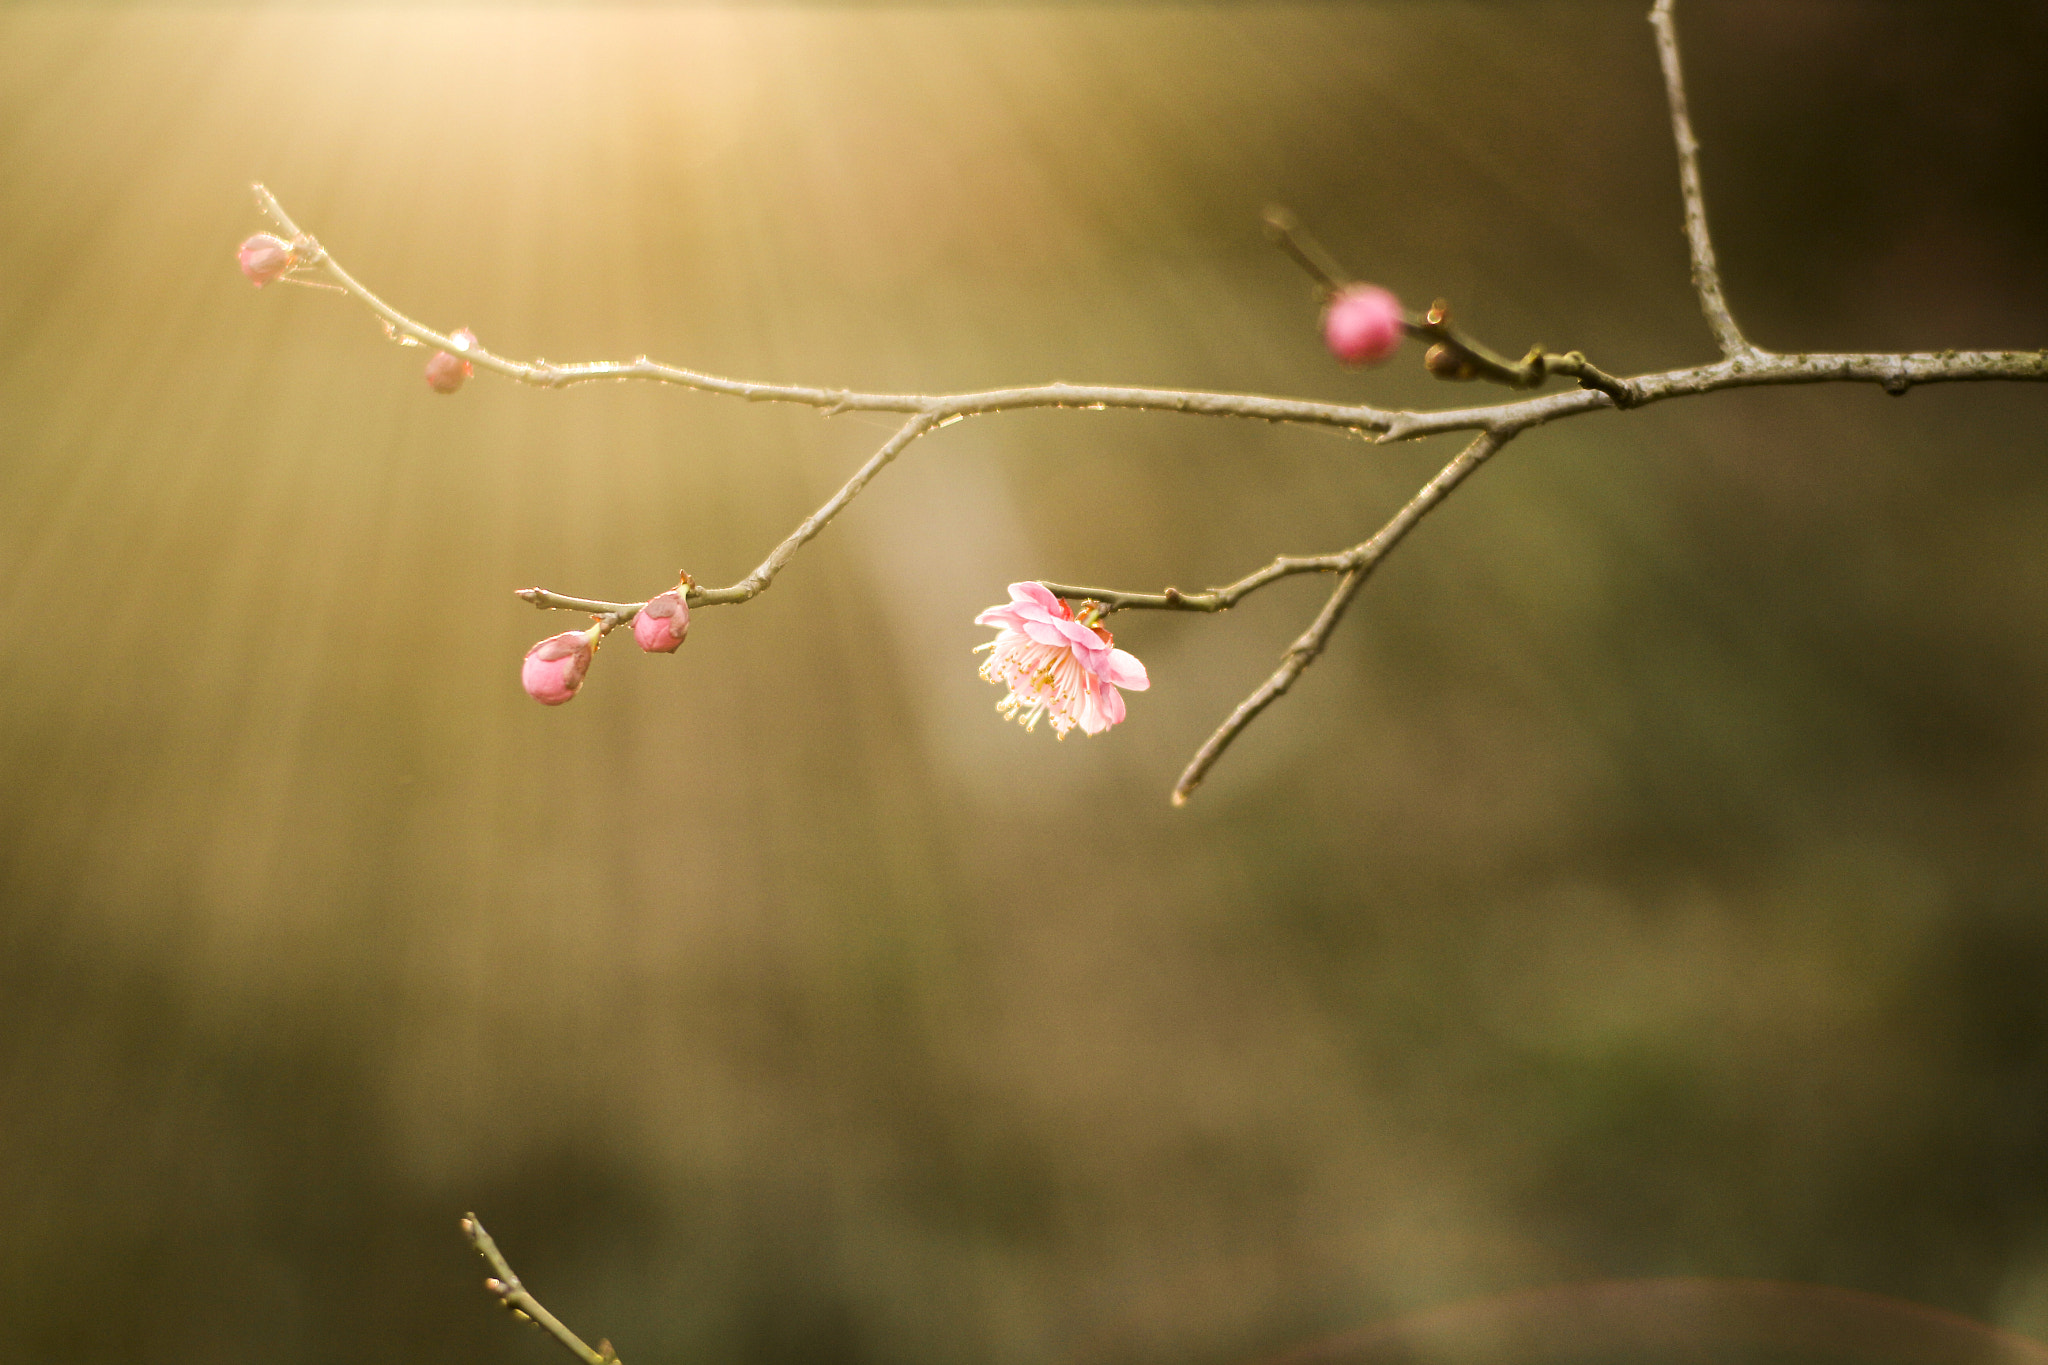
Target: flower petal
[
  {"x": 1045, "y": 632},
  {"x": 1125, "y": 671},
  {"x": 1085, "y": 643},
  {"x": 1111, "y": 703},
  {"x": 1005, "y": 617},
  {"x": 1037, "y": 594}
]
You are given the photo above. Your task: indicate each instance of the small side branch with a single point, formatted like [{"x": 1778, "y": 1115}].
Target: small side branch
[
  {"x": 1454, "y": 355},
  {"x": 758, "y": 581},
  {"x": 612, "y": 615},
  {"x": 1209, "y": 600},
  {"x": 312, "y": 256},
  {"x": 506, "y": 1288},
  {"x": 1356, "y": 566},
  {"x": 1706, "y": 274},
  {"x": 1458, "y": 356}
]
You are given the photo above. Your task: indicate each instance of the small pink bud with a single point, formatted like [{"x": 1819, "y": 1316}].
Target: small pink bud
[
  {"x": 264, "y": 257},
  {"x": 446, "y": 371},
  {"x": 662, "y": 623},
  {"x": 1362, "y": 325},
  {"x": 554, "y": 668}
]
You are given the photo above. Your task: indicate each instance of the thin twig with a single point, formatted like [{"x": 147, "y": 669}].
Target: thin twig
[
  {"x": 1285, "y": 231},
  {"x": 614, "y": 614},
  {"x": 506, "y": 1288},
  {"x": 1210, "y": 600},
  {"x": 1706, "y": 274},
  {"x": 757, "y": 582},
  {"x": 1357, "y": 565},
  {"x": 1454, "y": 355},
  {"x": 1752, "y": 368},
  {"x": 940, "y": 407}
]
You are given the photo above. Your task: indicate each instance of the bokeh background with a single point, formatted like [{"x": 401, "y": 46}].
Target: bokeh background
[{"x": 1649, "y": 881}]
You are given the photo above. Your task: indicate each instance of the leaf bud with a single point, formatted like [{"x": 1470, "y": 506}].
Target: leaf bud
[{"x": 1448, "y": 362}]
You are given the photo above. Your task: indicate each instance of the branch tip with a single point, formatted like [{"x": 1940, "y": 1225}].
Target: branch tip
[
  {"x": 506, "y": 1288},
  {"x": 1706, "y": 271}
]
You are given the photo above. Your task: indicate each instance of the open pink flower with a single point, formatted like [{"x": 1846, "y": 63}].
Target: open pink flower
[
  {"x": 1056, "y": 665},
  {"x": 554, "y": 668}
]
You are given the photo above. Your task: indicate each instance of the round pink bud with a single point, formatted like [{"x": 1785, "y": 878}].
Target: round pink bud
[
  {"x": 1362, "y": 325},
  {"x": 446, "y": 371},
  {"x": 662, "y": 623},
  {"x": 264, "y": 257},
  {"x": 554, "y": 668}
]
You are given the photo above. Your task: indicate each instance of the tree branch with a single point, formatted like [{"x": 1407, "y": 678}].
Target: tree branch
[
  {"x": 1356, "y": 565},
  {"x": 1453, "y": 355},
  {"x": 757, "y": 582},
  {"x": 614, "y": 614},
  {"x": 506, "y": 1288},
  {"x": 1706, "y": 274},
  {"x": 940, "y": 407},
  {"x": 1752, "y": 367}
]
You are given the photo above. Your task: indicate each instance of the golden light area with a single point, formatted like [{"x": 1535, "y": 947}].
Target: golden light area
[{"x": 1646, "y": 883}]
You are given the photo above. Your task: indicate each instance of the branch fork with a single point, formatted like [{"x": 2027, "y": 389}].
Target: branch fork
[{"x": 1452, "y": 355}]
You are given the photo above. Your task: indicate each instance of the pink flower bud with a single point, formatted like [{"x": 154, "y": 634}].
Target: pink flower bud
[
  {"x": 445, "y": 372},
  {"x": 1362, "y": 325},
  {"x": 662, "y": 623},
  {"x": 264, "y": 257},
  {"x": 554, "y": 668}
]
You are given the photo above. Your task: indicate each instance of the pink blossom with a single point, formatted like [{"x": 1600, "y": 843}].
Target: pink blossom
[
  {"x": 264, "y": 257},
  {"x": 662, "y": 623},
  {"x": 445, "y": 372},
  {"x": 554, "y": 668},
  {"x": 1056, "y": 665},
  {"x": 1362, "y": 325}
]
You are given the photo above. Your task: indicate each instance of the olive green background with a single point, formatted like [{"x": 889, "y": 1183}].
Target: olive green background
[{"x": 1650, "y": 880}]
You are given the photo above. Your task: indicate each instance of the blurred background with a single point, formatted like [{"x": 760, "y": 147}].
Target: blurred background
[{"x": 1649, "y": 881}]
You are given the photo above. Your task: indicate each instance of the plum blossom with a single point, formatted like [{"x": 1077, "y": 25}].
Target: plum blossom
[
  {"x": 554, "y": 668},
  {"x": 263, "y": 258},
  {"x": 662, "y": 623},
  {"x": 1057, "y": 665},
  {"x": 1362, "y": 325},
  {"x": 446, "y": 371}
]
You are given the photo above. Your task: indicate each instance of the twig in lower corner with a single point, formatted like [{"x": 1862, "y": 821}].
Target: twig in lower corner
[{"x": 506, "y": 1288}]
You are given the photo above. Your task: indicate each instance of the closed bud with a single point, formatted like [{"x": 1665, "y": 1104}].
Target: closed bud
[
  {"x": 554, "y": 668},
  {"x": 446, "y": 371},
  {"x": 662, "y": 623},
  {"x": 1448, "y": 362},
  {"x": 264, "y": 257},
  {"x": 1362, "y": 325}
]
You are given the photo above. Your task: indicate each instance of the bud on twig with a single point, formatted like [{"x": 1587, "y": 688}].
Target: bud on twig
[
  {"x": 263, "y": 258},
  {"x": 554, "y": 668},
  {"x": 662, "y": 623},
  {"x": 445, "y": 372},
  {"x": 1362, "y": 325},
  {"x": 1448, "y": 362}
]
